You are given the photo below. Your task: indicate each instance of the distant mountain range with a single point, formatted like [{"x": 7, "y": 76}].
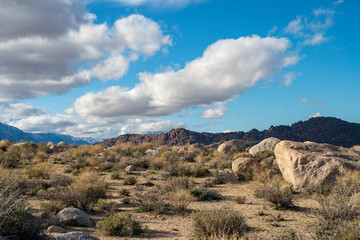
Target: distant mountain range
[
  {"x": 321, "y": 130},
  {"x": 16, "y": 135}
]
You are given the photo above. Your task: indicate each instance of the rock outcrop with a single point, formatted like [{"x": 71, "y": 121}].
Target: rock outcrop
[
  {"x": 74, "y": 236},
  {"x": 74, "y": 217},
  {"x": 244, "y": 167},
  {"x": 236, "y": 145},
  {"x": 266, "y": 144},
  {"x": 312, "y": 164}
]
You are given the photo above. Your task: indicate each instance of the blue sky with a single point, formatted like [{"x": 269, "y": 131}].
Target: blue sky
[{"x": 103, "y": 68}]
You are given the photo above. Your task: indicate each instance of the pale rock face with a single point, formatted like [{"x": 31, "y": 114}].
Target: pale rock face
[
  {"x": 236, "y": 144},
  {"x": 130, "y": 168},
  {"x": 55, "y": 229},
  {"x": 356, "y": 148},
  {"x": 266, "y": 144},
  {"x": 74, "y": 236},
  {"x": 244, "y": 167},
  {"x": 312, "y": 164},
  {"x": 74, "y": 217},
  {"x": 151, "y": 151}
]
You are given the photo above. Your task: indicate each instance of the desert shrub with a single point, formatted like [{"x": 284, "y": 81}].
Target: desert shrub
[
  {"x": 123, "y": 192},
  {"x": 115, "y": 176},
  {"x": 150, "y": 201},
  {"x": 124, "y": 149},
  {"x": 272, "y": 190},
  {"x": 83, "y": 193},
  {"x": 264, "y": 154},
  {"x": 104, "y": 206},
  {"x": 40, "y": 171},
  {"x": 54, "y": 207},
  {"x": 121, "y": 224},
  {"x": 15, "y": 222},
  {"x": 178, "y": 183},
  {"x": 180, "y": 199},
  {"x": 218, "y": 224},
  {"x": 9, "y": 160},
  {"x": 339, "y": 205},
  {"x": 205, "y": 194},
  {"x": 239, "y": 199},
  {"x": 130, "y": 180},
  {"x": 192, "y": 170}
]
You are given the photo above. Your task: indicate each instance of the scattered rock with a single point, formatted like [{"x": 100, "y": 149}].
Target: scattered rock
[
  {"x": 312, "y": 164},
  {"x": 74, "y": 236},
  {"x": 56, "y": 229},
  {"x": 236, "y": 145},
  {"x": 266, "y": 144},
  {"x": 61, "y": 145},
  {"x": 152, "y": 151},
  {"x": 130, "y": 168},
  {"x": 228, "y": 176},
  {"x": 30, "y": 210},
  {"x": 244, "y": 167},
  {"x": 74, "y": 217}
]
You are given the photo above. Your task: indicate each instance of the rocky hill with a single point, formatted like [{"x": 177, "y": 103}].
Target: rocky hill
[
  {"x": 16, "y": 135},
  {"x": 321, "y": 130}
]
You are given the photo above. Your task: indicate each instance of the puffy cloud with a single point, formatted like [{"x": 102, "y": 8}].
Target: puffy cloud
[
  {"x": 13, "y": 111},
  {"x": 315, "y": 103},
  {"x": 217, "y": 112},
  {"x": 44, "y": 123},
  {"x": 316, "y": 115},
  {"x": 227, "y": 67},
  {"x": 55, "y": 56},
  {"x": 159, "y": 3},
  {"x": 20, "y": 18},
  {"x": 302, "y": 101},
  {"x": 312, "y": 30}
]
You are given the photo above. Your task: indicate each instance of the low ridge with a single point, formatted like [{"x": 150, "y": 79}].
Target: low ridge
[{"x": 322, "y": 130}]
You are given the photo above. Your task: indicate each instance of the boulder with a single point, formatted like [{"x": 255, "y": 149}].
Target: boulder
[
  {"x": 266, "y": 144},
  {"x": 228, "y": 176},
  {"x": 56, "y": 229},
  {"x": 310, "y": 164},
  {"x": 74, "y": 236},
  {"x": 244, "y": 167},
  {"x": 30, "y": 210},
  {"x": 74, "y": 217},
  {"x": 228, "y": 146},
  {"x": 61, "y": 145},
  {"x": 130, "y": 168},
  {"x": 151, "y": 151}
]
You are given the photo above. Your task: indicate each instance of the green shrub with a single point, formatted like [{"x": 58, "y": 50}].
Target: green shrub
[
  {"x": 120, "y": 225},
  {"x": 239, "y": 199},
  {"x": 205, "y": 194},
  {"x": 264, "y": 154},
  {"x": 177, "y": 183},
  {"x": 53, "y": 207},
  {"x": 104, "y": 206},
  {"x": 130, "y": 180},
  {"x": 218, "y": 224},
  {"x": 123, "y": 192},
  {"x": 115, "y": 176}
]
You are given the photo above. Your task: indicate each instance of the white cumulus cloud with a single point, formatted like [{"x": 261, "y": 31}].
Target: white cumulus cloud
[
  {"x": 227, "y": 67},
  {"x": 60, "y": 47}
]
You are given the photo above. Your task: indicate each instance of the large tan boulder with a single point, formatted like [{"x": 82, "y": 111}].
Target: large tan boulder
[
  {"x": 244, "y": 167},
  {"x": 74, "y": 217},
  {"x": 236, "y": 145},
  {"x": 266, "y": 144},
  {"x": 312, "y": 164}
]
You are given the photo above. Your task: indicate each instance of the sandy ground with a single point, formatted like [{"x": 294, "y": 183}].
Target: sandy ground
[{"x": 264, "y": 221}]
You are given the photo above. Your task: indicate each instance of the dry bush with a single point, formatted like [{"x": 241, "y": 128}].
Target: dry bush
[
  {"x": 54, "y": 206},
  {"x": 104, "y": 206},
  {"x": 271, "y": 189},
  {"x": 150, "y": 201},
  {"x": 239, "y": 199},
  {"x": 130, "y": 180},
  {"x": 218, "y": 224},
  {"x": 205, "y": 194},
  {"x": 84, "y": 192},
  {"x": 178, "y": 183},
  {"x": 339, "y": 206},
  {"x": 15, "y": 222},
  {"x": 40, "y": 171},
  {"x": 41, "y": 157},
  {"x": 180, "y": 199}
]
